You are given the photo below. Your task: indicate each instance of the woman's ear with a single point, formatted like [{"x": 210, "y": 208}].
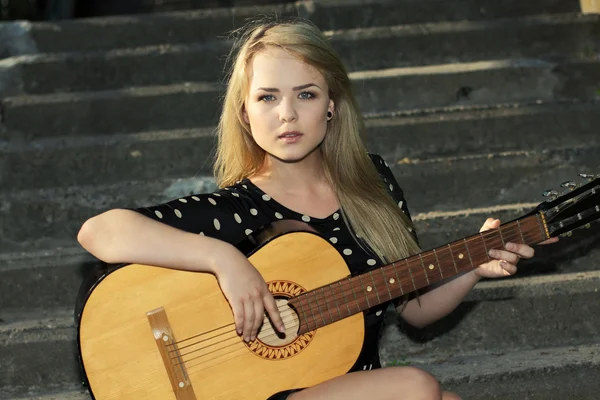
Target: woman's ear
[{"x": 331, "y": 108}]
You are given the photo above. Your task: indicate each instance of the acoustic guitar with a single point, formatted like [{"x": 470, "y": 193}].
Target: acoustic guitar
[{"x": 147, "y": 332}]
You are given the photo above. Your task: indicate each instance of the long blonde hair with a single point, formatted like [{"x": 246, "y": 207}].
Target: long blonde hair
[{"x": 367, "y": 208}]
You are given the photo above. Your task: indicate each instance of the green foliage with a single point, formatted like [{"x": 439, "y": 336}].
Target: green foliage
[{"x": 403, "y": 362}]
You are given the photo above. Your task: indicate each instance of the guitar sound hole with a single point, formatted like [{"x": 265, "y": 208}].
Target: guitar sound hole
[{"x": 269, "y": 335}]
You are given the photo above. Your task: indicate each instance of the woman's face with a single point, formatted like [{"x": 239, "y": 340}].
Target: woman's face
[{"x": 286, "y": 95}]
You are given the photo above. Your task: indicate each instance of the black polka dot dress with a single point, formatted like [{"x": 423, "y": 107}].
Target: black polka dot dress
[{"x": 234, "y": 212}]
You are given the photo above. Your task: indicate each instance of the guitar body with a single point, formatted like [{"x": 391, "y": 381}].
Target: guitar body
[{"x": 205, "y": 358}]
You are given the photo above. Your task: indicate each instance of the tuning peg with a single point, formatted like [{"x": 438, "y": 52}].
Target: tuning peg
[
  {"x": 568, "y": 184},
  {"x": 552, "y": 194},
  {"x": 589, "y": 177}
]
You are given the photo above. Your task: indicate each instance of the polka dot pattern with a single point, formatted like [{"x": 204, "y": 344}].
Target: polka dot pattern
[{"x": 243, "y": 209}]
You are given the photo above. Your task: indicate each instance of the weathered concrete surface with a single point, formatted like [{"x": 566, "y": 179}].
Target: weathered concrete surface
[
  {"x": 64, "y": 162},
  {"x": 195, "y": 104},
  {"x": 556, "y": 374},
  {"x": 191, "y": 26},
  {"x": 550, "y": 38}
]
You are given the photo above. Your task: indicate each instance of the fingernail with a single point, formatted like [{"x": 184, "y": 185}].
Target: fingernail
[
  {"x": 510, "y": 246},
  {"x": 503, "y": 264},
  {"x": 493, "y": 253},
  {"x": 282, "y": 328}
]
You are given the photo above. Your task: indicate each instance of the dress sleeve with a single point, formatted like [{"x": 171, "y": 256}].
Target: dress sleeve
[{"x": 216, "y": 214}]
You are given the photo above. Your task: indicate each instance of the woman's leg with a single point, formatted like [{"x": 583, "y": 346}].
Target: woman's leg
[{"x": 391, "y": 383}]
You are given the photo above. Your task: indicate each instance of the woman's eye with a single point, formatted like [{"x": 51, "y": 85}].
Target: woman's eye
[
  {"x": 266, "y": 97},
  {"x": 307, "y": 95}
]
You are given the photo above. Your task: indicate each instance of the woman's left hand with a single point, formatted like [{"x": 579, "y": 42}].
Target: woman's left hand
[{"x": 505, "y": 262}]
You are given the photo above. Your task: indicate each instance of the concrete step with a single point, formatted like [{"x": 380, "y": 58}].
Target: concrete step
[
  {"x": 38, "y": 354},
  {"x": 549, "y": 37},
  {"x": 34, "y": 278},
  {"x": 62, "y": 395},
  {"x": 540, "y": 311},
  {"x": 195, "y": 104},
  {"x": 463, "y": 133},
  {"x": 188, "y": 26},
  {"x": 55, "y": 214},
  {"x": 568, "y": 372},
  {"x": 557, "y": 309},
  {"x": 157, "y": 155}
]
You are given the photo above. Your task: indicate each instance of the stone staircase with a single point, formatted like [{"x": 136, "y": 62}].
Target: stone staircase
[{"x": 478, "y": 106}]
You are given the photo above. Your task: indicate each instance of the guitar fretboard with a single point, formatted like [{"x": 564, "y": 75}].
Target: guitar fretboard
[{"x": 346, "y": 297}]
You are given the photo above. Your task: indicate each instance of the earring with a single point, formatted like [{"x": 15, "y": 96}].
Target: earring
[{"x": 329, "y": 115}]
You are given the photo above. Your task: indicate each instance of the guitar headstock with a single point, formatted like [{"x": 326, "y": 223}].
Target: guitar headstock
[{"x": 577, "y": 208}]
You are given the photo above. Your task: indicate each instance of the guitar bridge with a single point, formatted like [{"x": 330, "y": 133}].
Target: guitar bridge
[{"x": 169, "y": 351}]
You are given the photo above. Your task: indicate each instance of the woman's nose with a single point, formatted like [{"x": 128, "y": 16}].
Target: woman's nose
[{"x": 287, "y": 111}]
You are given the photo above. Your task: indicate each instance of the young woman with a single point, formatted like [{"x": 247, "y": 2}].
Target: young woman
[{"x": 290, "y": 148}]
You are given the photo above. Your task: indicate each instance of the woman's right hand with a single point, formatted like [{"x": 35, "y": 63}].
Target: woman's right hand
[{"x": 245, "y": 289}]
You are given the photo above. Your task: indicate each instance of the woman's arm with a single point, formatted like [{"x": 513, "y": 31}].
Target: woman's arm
[
  {"x": 441, "y": 300},
  {"x": 125, "y": 236}
]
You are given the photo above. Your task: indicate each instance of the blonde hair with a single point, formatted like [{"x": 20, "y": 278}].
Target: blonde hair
[{"x": 367, "y": 209}]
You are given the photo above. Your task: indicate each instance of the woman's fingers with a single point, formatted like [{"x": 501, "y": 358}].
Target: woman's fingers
[
  {"x": 504, "y": 255},
  {"x": 248, "y": 319},
  {"x": 259, "y": 313},
  {"x": 490, "y": 223},
  {"x": 523, "y": 250},
  {"x": 273, "y": 311},
  {"x": 509, "y": 269}
]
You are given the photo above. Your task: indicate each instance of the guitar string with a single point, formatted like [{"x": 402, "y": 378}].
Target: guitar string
[
  {"x": 292, "y": 314},
  {"x": 272, "y": 331},
  {"x": 236, "y": 341},
  {"x": 318, "y": 302},
  {"x": 506, "y": 228},
  {"x": 243, "y": 348}
]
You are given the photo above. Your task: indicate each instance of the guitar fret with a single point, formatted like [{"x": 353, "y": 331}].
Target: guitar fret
[
  {"x": 502, "y": 237},
  {"x": 411, "y": 275},
  {"x": 365, "y": 292},
  {"x": 314, "y": 318},
  {"x": 375, "y": 287},
  {"x": 326, "y": 305},
  {"x": 438, "y": 263},
  {"x": 541, "y": 226},
  {"x": 520, "y": 231},
  {"x": 485, "y": 246},
  {"x": 453, "y": 260},
  {"x": 344, "y": 296},
  {"x": 385, "y": 280},
  {"x": 336, "y": 302},
  {"x": 468, "y": 252},
  {"x": 354, "y": 294},
  {"x": 424, "y": 269},
  {"x": 398, "y": 278}
]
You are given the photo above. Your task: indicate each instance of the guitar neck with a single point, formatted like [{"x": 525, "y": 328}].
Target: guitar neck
[{"x": 341, "y": 299}]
